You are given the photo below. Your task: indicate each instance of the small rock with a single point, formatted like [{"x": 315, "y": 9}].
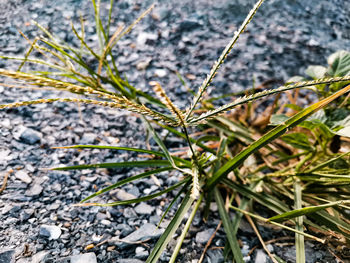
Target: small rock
[
  {"x": 50, "y": 232},
  {"x": 88, "y": 138},
  {"x": 161, "y": 73},
  {"x": 260, "y": 257},
  {"x": 122, "y": 195},
  {"x": 35, "y": 190},
  {"x": 144, "y": 209},
  {"x": 26, "y": 214},
  {"x": 105, "y": 222},
  {"x": 203, "y": 237},
  {"x": 23, "y": 176},
  {"x": 84, "y": 258},
  {"x": 144, "y": 232},
  {"x": 40, "y": 257},
  {"x": 30, "y": 136},
  {"x": 146, "y": 38},
  {"x": 188, "y": 25},
  {"x": 7, "y": 256},
  {"x": 129, "y": 260}
]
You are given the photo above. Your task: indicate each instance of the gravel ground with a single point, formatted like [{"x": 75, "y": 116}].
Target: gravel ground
[{"x": 39, "y": 223}]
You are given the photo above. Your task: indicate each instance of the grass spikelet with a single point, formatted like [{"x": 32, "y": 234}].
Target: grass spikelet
[
  {"x": 222, "y": 58},
  {"x": 221, "y": 110},
  {"x": 167, "y": 102},
  {"x": 195, "y": 183}
]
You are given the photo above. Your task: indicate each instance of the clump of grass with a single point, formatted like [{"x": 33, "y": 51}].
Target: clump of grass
[{"x": 294, "y": 175}]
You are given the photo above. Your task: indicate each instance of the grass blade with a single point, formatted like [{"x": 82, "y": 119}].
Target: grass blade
[
  {"x": 148, "y": 163},
  {"x": 141, "y": 199},
  {"x": 170, "y": 230},
  {"x": 305, "y": 211},
  {"x": 125, "y": 181},
  {"x": 226, "y": 221},
  {"x": 273, "y": 134}
]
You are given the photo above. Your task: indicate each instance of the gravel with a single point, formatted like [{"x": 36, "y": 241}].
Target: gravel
[{"x": 179, "y": 36}]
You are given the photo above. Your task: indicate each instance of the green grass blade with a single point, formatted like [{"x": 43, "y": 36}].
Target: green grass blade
[
  {"x": 185, "y": 230},
  {"x": 299, "y": 239},
  {"x": 273, "y": 134},
  {"x": 174, "y": 201},
  {"x": 159, "y": 142},
  {"x": 148, "y": 163},
  {"x": 125, "y": 181},
  {"x": 305, "y": 211},
  {"x": 170, "y": 230},
  {"x": 141, "y": 199},
  {"x": 226, "y": 221},
  {"x": 156, "y": 153}
]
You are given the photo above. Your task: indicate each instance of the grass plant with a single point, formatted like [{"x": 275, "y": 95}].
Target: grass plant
[{"x": 295, "y": 175}]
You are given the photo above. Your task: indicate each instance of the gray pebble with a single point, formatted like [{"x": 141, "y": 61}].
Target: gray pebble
[
  {"x": 35, "y": 190},
  {"x": 23, "y": 176},
  {"x": 144, "y": 209},
  {"x": 84, "y": 258},
  {"x": 30, "y": 136},
  {"x": 50, "y": 232},
  {"x": 7, "y": 256},
  {"x": 203, "y": 237}
]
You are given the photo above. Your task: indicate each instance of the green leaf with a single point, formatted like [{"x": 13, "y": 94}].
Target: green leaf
[
  {"x": 149, "y": 163},
  {"x": 316, "y": 72},
  {"x": 305, "y": 210},
  {"x": 339, "y": 64},
  {"x": 170, "y": 230},
  {"x": 125, "y": 181},
  {"x": 298, "y": 140},
  {"x": 270, "y": 136},
  {"x": 226, "y": 221}
]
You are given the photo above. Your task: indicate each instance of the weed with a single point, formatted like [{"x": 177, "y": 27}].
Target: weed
[{"x": 293, "y": 173}]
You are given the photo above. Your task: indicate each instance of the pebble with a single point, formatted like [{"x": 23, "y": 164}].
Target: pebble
[
  {"x": 23, "y": 176},
  {"x": 84, "y": 258},
  {"x": 40, "y": 257},
  {"x": 161, "y": 73},
  {"x": 203, "y": 236},
  {"x": 35, "y": 190},
  {"x": 129, "y": 260},
  {"x": 7, "y": 256},
  {"x": 144, "y": 209},
  {"x": 261, "y": 256},
  {"x": 30, "y": 136},
  {"x": 122, "y": 195},
  {"x": 50, "y": 232},
  {"x": 146, "y": 231}
]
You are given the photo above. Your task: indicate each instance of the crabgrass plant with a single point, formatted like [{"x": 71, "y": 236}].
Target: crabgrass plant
[{"x": 209, "y": 172}]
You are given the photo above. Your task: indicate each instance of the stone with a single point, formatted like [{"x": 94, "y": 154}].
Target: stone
[
  {"x": 122, "y": 195},
  {"x": 88, "y": 138},
  {"x": 144, "y": 209},
  {"x": 35, "y": 190},
  {"x": 30, "y": 136},
  {"x": 26, "y": 214},
  {"x": 105, "y": 222},
  {"x": 188, "y": 25},
  {"x": 203, "y": 236},
  {"x": 129, "y": 260},
  {"x": 84, "y": 258},
  {"x": 40, "y": 257},
  {"x": 7, "y": 256},
  {"x": 144, "y": 232},
  {"x": 50, "y": 232},
  {"x": 161, "y": 73},
  {"x": 260, "y": 257},
  {"x": 23, "y": 176}
]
